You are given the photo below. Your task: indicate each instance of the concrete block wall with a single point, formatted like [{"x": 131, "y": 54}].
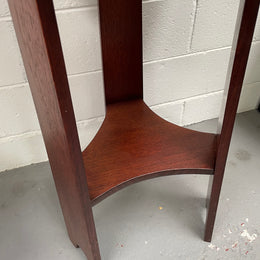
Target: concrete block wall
[{"x": 186, "y": 52}]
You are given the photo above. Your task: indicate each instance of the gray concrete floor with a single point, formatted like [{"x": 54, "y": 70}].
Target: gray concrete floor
[{"x": 161, "y": 218}]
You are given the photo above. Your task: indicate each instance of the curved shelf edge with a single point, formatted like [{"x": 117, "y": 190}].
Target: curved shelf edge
[
  {"x": 149, "y": 176},
  {"x": 135, "y": 144}
]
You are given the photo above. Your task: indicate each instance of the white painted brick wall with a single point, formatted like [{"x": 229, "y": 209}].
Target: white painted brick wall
[
  {"x": 186, "y": 52},
  {"x": 166, "y": 29},
  {"x": 215, "y": 24}
]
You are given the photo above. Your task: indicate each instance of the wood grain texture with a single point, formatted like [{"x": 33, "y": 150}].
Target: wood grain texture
[
  {"x": 37, "y": 33},
  {"x": 239, "y": 56},
  {"x": 135, "y": 144},
  {"x": 121, "y": 38}
]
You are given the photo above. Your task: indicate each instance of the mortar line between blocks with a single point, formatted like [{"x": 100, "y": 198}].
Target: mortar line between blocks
[
  {"x": 194, "y": 17},
  {"x": 6, "y": 18},
  {"x": 9, "y": 138},
  {"x": 29, "y": 134},
  {"x": 91, "y": 119},
  {"x": 187, "y": 55},
  {"x": 187, "y": 98},
  {"x": 194, "y": 53},
  {"x": 151, "y": 1},
  {"x": 26, "y": 84},
  {"x": 76, "y": 8},
  {"x": 84, "y": 73},
  {"x": 17, "y": 85},
  {"x": 182, "y": 114},
  {"x": 22, "y": 84}
]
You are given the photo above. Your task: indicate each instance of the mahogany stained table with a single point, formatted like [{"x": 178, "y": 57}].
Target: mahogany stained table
[{"x": 133, "y": 143}]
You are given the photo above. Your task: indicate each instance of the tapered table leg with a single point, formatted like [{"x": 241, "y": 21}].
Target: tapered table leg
[
  {"x": 239, "y": 55},
  {"x": 38, "y": 37}
]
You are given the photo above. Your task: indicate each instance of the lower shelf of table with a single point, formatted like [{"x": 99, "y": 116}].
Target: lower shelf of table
[{"x": 135, "y": 144}]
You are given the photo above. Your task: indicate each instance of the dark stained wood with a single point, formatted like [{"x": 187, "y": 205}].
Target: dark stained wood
[
  {"x": 38, "y": 37},
  {"x": 135, "y": 144},
  {"x": 241, "y": 47},
  {"x": 121, "y": 38},
  {"x": 148, "y": 176}
]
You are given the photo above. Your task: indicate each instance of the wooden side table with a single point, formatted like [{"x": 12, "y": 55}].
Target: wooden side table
[{"x": 133, "y": 143}]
